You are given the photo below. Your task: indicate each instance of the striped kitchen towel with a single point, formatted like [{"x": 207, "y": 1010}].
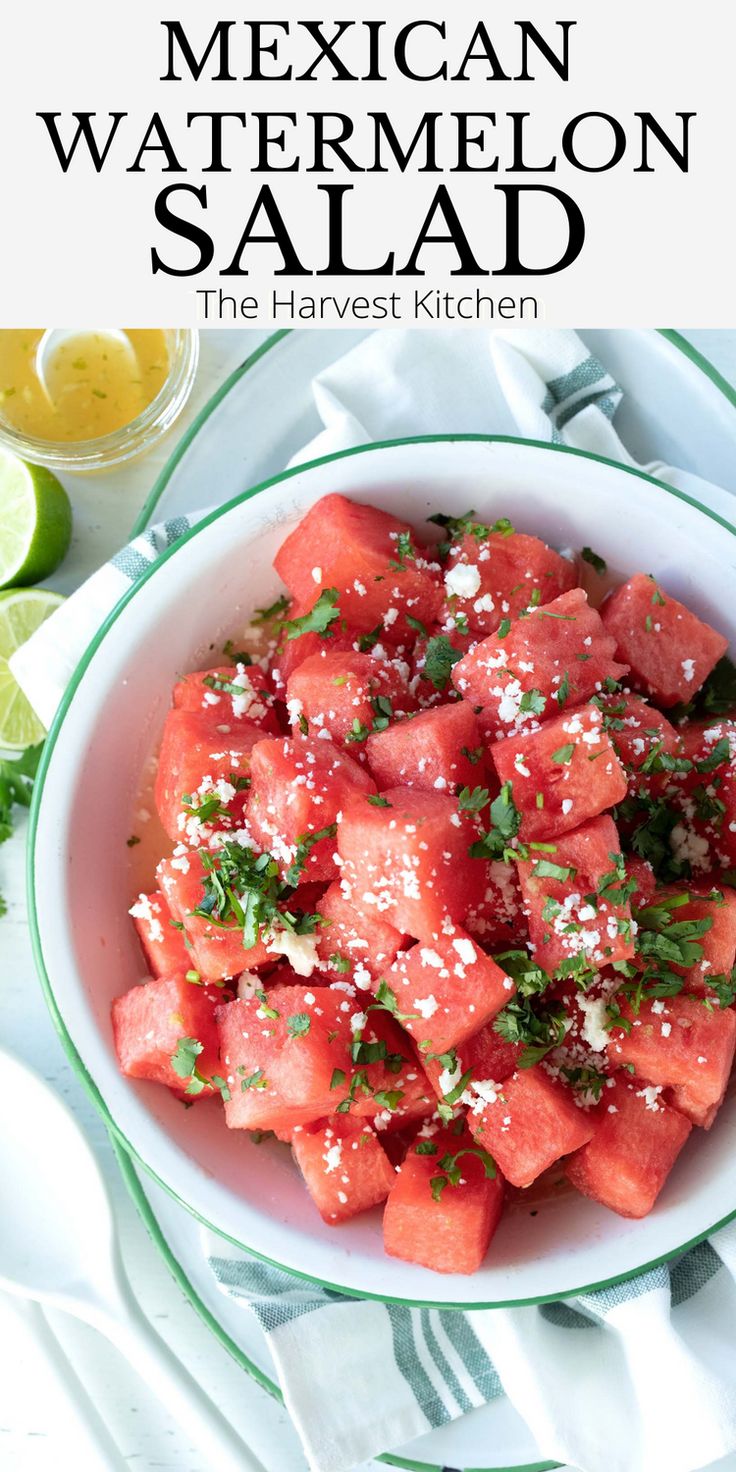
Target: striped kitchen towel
[{"x": 639, "y": 1378}]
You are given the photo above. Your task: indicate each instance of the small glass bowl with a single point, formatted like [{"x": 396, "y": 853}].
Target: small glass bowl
[{"x": 131, "y": 439}]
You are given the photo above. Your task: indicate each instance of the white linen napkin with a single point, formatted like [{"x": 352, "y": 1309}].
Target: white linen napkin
[{"x": 638, "y": 1378}]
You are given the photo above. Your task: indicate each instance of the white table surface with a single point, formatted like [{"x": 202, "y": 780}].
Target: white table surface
[{"x": 37, "y": 1427}]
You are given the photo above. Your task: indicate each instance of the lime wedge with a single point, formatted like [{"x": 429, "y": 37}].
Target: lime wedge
[
  {"x": 35, "y": 521},
  {"x": 21, "y": 612}
]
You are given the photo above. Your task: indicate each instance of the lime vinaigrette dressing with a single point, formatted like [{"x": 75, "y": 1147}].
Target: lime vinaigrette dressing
[{"x": 93, "y": 382}]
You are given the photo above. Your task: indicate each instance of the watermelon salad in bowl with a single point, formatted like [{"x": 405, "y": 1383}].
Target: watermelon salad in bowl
[{"x": 416, "y": 773}]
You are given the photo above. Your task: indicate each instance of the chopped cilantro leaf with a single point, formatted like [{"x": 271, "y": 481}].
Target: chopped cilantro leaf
[
  {"x": 366, "y": 642},
  {"x": 439, "y": 658},
  {"x": 298, "y": 1024},
  {"x": 452, "y": 1172},
  {"x": 303, "y": 849},
  {"x": 545, "y": 869},
  {"x": 263, "y": 615},
  {"x": 534, "y": 701},
  {"x": 563, "y": 690},
  {"x": 474, "y": 756},
  {"x": 184, "y": 1059},
  {"x": 255, "y": 1080},
  {"x": 527, "y": 974},
  {"x": 405, "y": 551},
  {"x": 416, "y": 623},
  {"x": 539, "y": 1030},
  {"x": 318, "y": 620},
  {"x": 505, "y": 825},
  {"x": 236, "y": 656},
  {"x": 386, "y": 1000},
  {"x": 472, "y": 802},
  {"x": 719, "y": 754},
  {"x": 596, "y": 562}
]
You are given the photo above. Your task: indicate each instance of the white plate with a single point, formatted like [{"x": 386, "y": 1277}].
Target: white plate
[
  {"x": 676, "y": 409},
  {"x": 108, "y": 727}
]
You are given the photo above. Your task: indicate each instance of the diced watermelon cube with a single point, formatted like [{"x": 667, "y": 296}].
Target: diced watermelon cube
[
  {"x": 386, "y": 1083},
  {"x": 447, "y": 989},
  {"x": 372, "y": 559},
  {"x": 643, "y": 739},
  {"x": 299, "y": 785},
  {"x": 632, "y": 1152},
  {"x": 486, "y": 1057},
  {"x": 556, "y": 657},
  {"x": 353, "y": 946},
  {"x": 677, "y": 1042},
  {"x": 408, "y": 859},
  {"x": 201, "y": 775},
  {"x": 437, "y": 751},
  {"x": 562, "y": 774},
  {"x": 281, "y": 1068},
  {"x": 573, "y": 901},
  {"x": 217, "y": 950},
  {"x": 670, "y": 650},
  {"x": 498, "y": 920},
  {"x": 344, "y": 694},
  {"x": 447, "y": 1228},
  {"x": 345, "y": 1168},
  {"x": 163, "y": 943},
  {"x": 715, "y": 909},
  {"x": 511, "y": 571},
  {"x": 229, "y": 694},
  {"x": 531, "y": 1122},
  {"x": 150, "y": 1020}
]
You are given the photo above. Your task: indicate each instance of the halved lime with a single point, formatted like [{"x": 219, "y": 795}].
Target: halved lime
[
  {"x": 21, "y": 612},
  {"x": 35, "y": 522}
]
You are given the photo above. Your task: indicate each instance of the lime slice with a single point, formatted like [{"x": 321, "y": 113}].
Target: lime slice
[
  {"x": 35, "y": 521},
  {"x": 21, "y": 612}
]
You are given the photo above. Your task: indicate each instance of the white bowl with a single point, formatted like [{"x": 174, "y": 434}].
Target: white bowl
[{"x": 80, "y": 875}]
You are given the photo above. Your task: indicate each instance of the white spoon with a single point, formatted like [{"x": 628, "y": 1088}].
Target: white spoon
[
  {"x": 55, "y": 337},
  {"x": 58, "y": 1246}
]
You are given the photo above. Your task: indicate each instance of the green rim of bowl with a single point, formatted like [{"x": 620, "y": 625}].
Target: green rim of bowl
[
  {"x": 143, "y": 519},
  {"x": 38, "y": 791},
  {"x": 160, "y": 1242}
]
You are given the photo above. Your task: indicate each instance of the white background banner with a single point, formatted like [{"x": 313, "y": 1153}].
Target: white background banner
[{"x": 82, "y": 245}]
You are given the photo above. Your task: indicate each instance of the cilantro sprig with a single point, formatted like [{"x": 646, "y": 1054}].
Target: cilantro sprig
[
  {"x": 505, "y": 825},
  {"x": 16, "y": 785},
  {"x": 440, "y": 656},
  {"x": 246, "y": 888},
  {"x": 184, "y": 1063},
  {"x": 539, "y": 1028}
]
